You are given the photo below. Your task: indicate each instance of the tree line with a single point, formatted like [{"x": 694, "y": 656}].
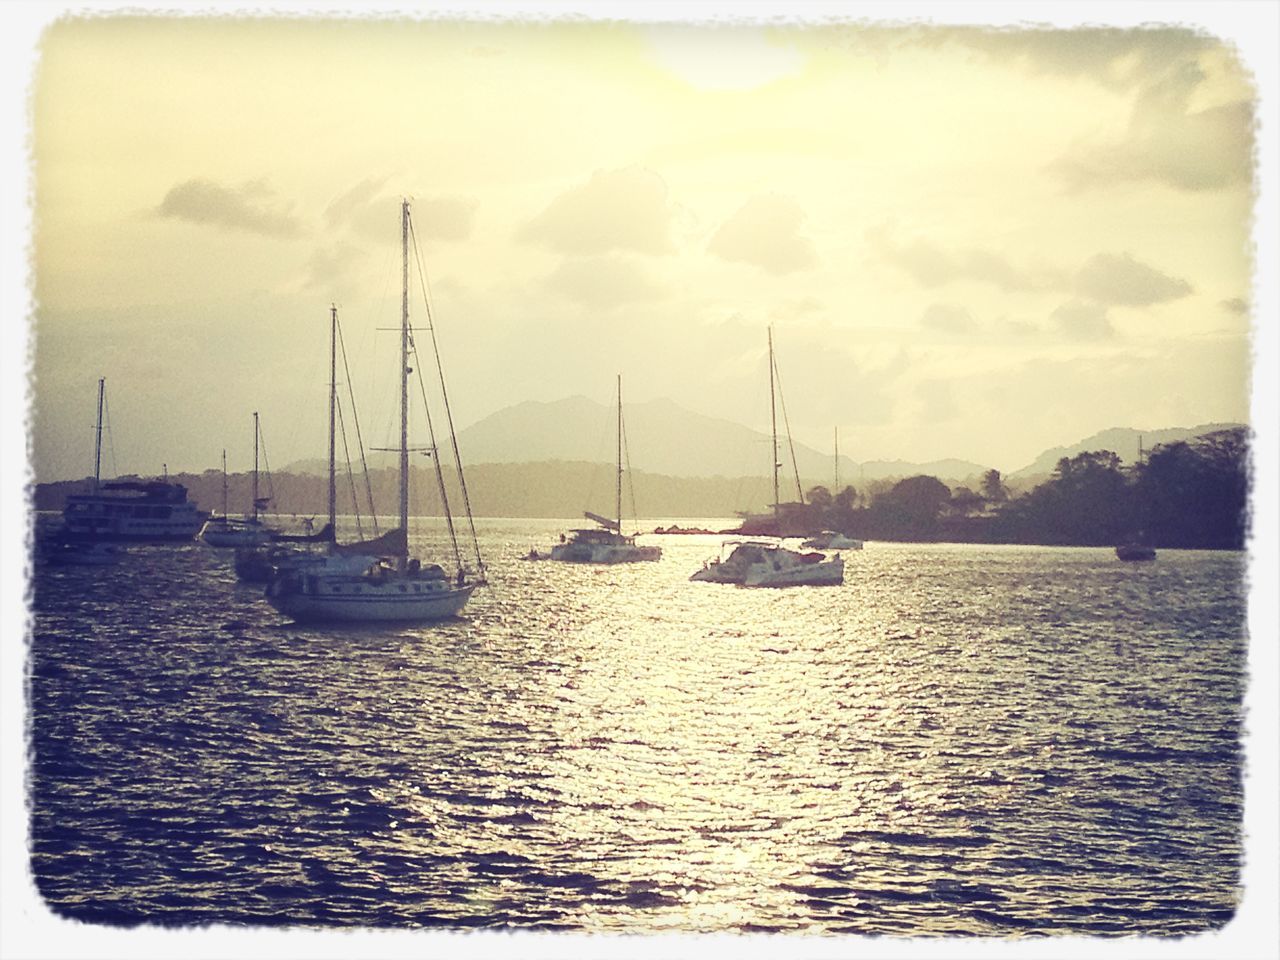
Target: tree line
[{"x": 1188, "y": 494}]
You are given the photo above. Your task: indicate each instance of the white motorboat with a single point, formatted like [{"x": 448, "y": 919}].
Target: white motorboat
[
  {"x": 607, "y": 544},
  {"x": 82, "y": 554},
  {"x": 759, "y": 563},
  {"x": 350, "y": 586},
  {"x": 780, "y": 567},
  {"x": 831, "y": 540},
  {"x": 129, "y": 510}
]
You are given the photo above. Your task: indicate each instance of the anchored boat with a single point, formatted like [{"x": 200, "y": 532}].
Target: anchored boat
[
  {"x": 354, "y": 587},
  {"x": 129, "y": 510}
]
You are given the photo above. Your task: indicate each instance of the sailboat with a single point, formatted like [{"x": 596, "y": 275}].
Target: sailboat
[
  {"x": 761, "y": 563},
  {"x": 356, "y": 587},
  {"x": 833, "y": 539},
  {"x": 228, "y": 531},
  {"x": 128, "y": 510},
  {"x": 607, "y": 543}
]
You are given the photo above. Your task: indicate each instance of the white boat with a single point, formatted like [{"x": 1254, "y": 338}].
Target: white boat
[
  {"x": 129, "y": 510},
  {"x": 758, "y": 563},
  {"x": 606, "y": 544},
  {"x": 228, "y": 531},
  {"x": 780, "y": 567},
  {"x": 356, "y": 588},
  {"x": 831, "y": 540},
  {"x": 82, "y": 554}
]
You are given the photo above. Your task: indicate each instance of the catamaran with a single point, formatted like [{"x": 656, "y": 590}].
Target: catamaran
[
  {"x": 759, "y": 563},
  {"x": 607, "y": 543},
  {"x": 355, "y": 587}
]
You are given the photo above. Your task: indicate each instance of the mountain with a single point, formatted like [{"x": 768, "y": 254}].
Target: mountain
[
  {"x": 663, "y": 438},
  {"x": 1122, "y": 441}
]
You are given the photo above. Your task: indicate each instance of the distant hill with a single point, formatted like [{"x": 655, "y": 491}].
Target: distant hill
[
  {"x": 1122, "y": 441},
  {"x": 662, "y": 438}
]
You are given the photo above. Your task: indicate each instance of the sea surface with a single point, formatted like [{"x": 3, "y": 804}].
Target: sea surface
[{"x": 960, "y": 740}]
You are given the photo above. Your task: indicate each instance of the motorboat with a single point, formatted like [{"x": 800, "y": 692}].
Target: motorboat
[
  {"x": 1135, "y": 551},
  {"x": 759, "y": 563},
  {"x": 831, "y": 540}
]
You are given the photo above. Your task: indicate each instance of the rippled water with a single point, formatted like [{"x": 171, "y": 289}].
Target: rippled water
[{"x": 960, "y": 740}]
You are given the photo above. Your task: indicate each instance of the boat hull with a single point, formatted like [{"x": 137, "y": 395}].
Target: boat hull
[
  {"x": 224, "y": 535},
  {"x": 604, "y": 553},
  {"x": 321, "y": 599},
  {"x": 829, "y": 573}
]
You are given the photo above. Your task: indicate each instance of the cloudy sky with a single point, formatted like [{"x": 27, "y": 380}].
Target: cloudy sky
[{"x": 970, "y": 242}]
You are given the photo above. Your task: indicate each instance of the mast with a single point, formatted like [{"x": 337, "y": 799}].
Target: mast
[
  {"x": 255, "y": 466},
  {"x": 773, "y": 420},
  {"x": 619, "y": 477},
  {"x": 97, "y": 447},
  {"x": 404, "y": 381},
  {"x": 333, "y": 402},
  {"x": 224, "y": 483},
  {"x": 837, "y": 489}
]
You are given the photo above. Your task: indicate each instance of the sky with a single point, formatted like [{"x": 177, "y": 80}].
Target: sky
[{"x": 970, "y": 242}]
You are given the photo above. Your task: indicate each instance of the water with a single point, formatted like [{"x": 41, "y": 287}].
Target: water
[{"x": 1003, "y": 741}]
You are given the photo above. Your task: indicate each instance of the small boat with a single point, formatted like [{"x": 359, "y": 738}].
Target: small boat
[
  {"x": 766, "y": 563},
  {"x": 348, "y": 584},
  {"x": 227, "y": 531},
  {"x": 82, "y": 553},
  {"x": 129, "y": 510},
  {"x": 758, "y": 563},
  {"x": 1135, "y": 551},
  {"x": 831, "y": 540},
  {"x": 608, "y": 544}
]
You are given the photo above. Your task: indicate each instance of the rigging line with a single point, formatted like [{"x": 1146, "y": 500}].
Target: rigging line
[
  {"x": 448, "y": 412},
  {"x": 111, "y": 440},
  {"x": 351, "y": 480},
  {"x": 431, "y": 430},
  {"x": 631, "y": 483},
  {"x": 364, "y": 463},
  {"x": 786, "y": 422},
  {"x": 262, "y": 443},
  {"x": 435, "y": 459}
]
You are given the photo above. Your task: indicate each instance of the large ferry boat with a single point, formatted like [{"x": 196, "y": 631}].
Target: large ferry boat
[
  {"x": 129, "y": 509},
  {"x": 132, "y": 510}
]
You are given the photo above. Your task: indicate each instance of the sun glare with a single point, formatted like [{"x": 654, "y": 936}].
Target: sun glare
[{"x": 739, "y": 59}]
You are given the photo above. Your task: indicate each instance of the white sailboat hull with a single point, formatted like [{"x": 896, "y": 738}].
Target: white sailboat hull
[
  {"x": 358, "y": 599},
  {"x": 221, "y": 532}
]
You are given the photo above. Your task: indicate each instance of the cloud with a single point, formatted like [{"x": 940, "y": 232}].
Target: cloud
[
  {"x": 1123, "y": 281},
  {"x": 1170, "y": 143},
  {"x": 369, "y": 212},
  {"x": 615, "y": 210},
  {"x": 1235, "y": 305},
  {"x": 1113, "y": 279},
  {"x": 932, "y": 266},
  {"x": 949, "y": 318},
  {"x": 1082, "y": 320},
  {"x": 935, "y": 401},
  {"x": 602, "y": 283},
  {"x": 1114, "y": 57},
  {"x": 765, "y": 233},
  {"x": 249, "y": 207}
]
